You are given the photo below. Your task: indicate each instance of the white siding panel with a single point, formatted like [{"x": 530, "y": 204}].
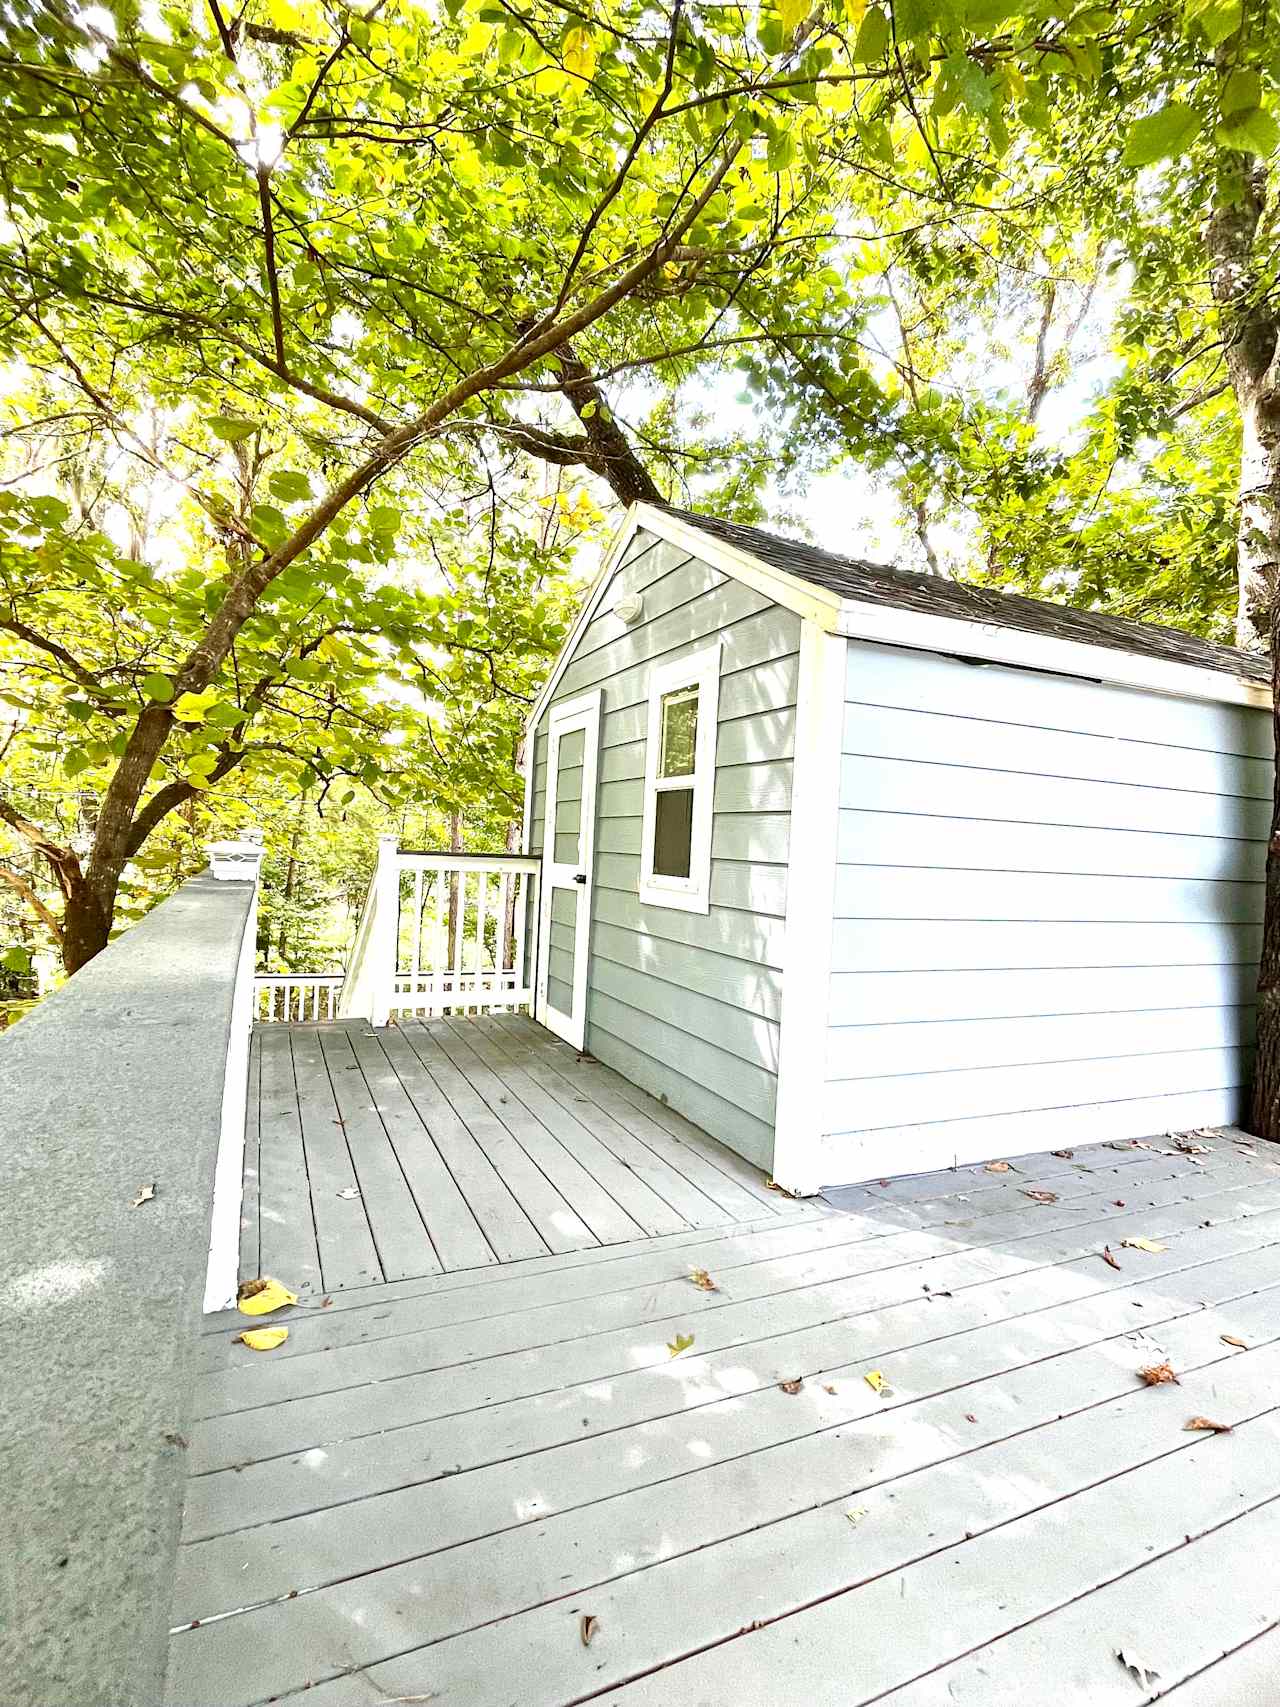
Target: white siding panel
[
  {"x": 903, "y": 892},
  {"x": 893, "y": 998},
  {"x": 879, "y": 838},
  {"x": 982, "y": 1091},
  {"x": 893, "y": 676},
  {"x": 870, "y": 1051},
  {"x": 1048, "y": 912}
]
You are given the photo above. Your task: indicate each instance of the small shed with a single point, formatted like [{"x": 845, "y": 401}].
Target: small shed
[{"x": 868, "y": 872}]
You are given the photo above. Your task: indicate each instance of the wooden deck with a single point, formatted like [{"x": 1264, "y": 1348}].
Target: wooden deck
[
  {"x": 456, "y": 1144},
  {"x": 424, "y": 1493}
]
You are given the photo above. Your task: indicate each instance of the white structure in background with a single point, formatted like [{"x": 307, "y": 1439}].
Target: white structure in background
[
  {"x": 442, "y": 933},
  {"x": 867, "y": 872}
]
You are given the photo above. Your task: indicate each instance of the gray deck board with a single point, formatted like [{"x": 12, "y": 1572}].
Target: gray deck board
[
  {"x": 287, "y": 1233},
  {"x": 425, "y": 1490},
  {"x": 400, "y": 1234},
  {"x": 348, "y": 1255}
]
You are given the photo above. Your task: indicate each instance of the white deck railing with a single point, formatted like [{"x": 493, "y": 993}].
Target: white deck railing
[
  {"x": 443, "y": 933},
  {"x": 296, "y": 998}
]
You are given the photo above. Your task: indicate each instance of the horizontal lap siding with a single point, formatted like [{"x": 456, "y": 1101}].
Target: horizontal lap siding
[
  {"x": 686, "y": 1005},
  {"x": 1048, "y": 909}
]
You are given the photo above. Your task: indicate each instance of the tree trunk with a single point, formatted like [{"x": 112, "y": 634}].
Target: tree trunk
[
  {"x": 1250, "y": 327},
  {"x": 86, "y": 925}
]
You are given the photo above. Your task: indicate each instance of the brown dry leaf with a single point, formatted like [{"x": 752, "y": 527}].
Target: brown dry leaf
[
  {"x": 1039, "y": 1196},
  {"x": 1118, "y": 1202},
  {"x": 325, "y": 1303},
  {"x": 587, "y": 1627},
  {"x": 997, "y": 1168},
  {"x": 145, "y": 1194},
  {"x": 1063, "y": 1155},
  {"x": 1206, "y": 1425},
  {"x": 1144, "y": 1245},
  {"x": 828, "y": 1388},
  {"x": 969, "y": 1417},
  {"x": 791, "y": 1386},
  {"x": 250, "y": 1288},
  {"x": 1230, "y": 1339},
  {"x": 1107, "y": 1257},
  {"x": 703, "y": 1280},
  {"x": 1157, "y": 1374},
  {"x": 1140, "y": 1669},
  {"x": 680, "y": 1343}
]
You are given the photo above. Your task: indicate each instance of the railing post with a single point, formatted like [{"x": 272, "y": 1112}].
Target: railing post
[{"x": 384, "y": 944}]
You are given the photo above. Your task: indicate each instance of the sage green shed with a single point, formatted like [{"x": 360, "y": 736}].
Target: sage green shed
[{"x": 869, "y": 872}]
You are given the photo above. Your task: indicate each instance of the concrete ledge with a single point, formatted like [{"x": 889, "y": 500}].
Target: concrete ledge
[{"x": 113, "y": 1083}]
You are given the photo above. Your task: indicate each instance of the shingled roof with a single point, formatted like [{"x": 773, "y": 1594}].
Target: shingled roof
[{"x": 871, "y": 583}]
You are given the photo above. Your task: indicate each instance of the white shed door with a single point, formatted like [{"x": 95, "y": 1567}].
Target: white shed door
[{"x": 568, "y": 857}]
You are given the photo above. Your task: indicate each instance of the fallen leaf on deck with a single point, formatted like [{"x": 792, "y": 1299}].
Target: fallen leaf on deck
[
  {"x": 791, "y": 1386},
  {"x": 1188, "y": 1148},
  {"x": 263, "y": 1339},
  {"x": 680, "y": 1343},
  {"x": 1230, "y": 1339},
  {"x": 856, "y": 1515},
  {"x": 1157, "y": 1374},
  {"x": 325, "y": 1303},
  {"x": 969, "y": 1417},
  {"x": 1140, "y": 1669},
  {"x": 260, "y": 1297},
  {"x": 997, "y": 1167},
  {"x": 587, "y": 1627},
  {"x": 1206, "y": 1425},
  {"x": 1105, "y": 1254},
  {"x": 874, "y": 1380},
  {"x": 1063, "y": 1155},
  {"x": 828, "y": 1388},
  {"x": 145, "y": 1194},
  {"x": 1144, "y": 1245},
  {"x": 1118, "y": 1202},
  {"x": 348, "y": 1191},
  {"x": 703, "y": 1280},
  {"x": 1039, "y": 1196},
  {"x": 1122, "y": 1144}
]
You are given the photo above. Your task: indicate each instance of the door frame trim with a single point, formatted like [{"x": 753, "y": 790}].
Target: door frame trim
[{"x": 586, "y": 709}]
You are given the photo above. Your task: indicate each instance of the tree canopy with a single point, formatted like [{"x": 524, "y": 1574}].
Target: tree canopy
[{"x": 329, "y": 330}]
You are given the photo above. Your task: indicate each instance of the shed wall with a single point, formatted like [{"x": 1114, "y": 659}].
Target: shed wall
[
  {"x": 687, "y": 1005},
  {"x": 1048, "y": 908}
]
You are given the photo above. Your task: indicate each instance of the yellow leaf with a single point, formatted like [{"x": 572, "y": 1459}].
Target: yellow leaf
[
  {"x": 1144, "y": 1245},
  {"x": 579, "y": 53},
  {"x": 194, "y": 707},
  {"x": 260, "y": 1297},
  {"x": 263, "y": 1339},
  {"x": 680, "y": 1343},
  {"x": 874, "y": 1380},
  {"x": 855, "y": 11},
  {"x": 793, "y": 13}
]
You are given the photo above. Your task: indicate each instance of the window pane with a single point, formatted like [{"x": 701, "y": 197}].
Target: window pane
[
  {"x": 679, "y": 732},
  {"x": 568, "y": 825},
  {"x": 673, "y": 832}
]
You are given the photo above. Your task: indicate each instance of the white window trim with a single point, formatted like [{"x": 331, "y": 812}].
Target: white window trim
[{"x": 690, "y": 894}]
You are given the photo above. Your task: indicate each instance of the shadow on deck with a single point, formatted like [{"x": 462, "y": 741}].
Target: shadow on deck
[{"x": 427, "y": 1147}]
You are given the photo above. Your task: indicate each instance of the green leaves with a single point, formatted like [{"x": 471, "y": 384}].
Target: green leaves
[
  {"x": 231, "y": 429},
  {"x": 158, "y": 687},
  {"x": 290, "y": 486},
  {"x": 1162, "y": 135},
  {"x": 873, "y": 37}
]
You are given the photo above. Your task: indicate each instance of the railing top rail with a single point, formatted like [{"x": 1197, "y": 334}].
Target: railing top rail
[
  {"x": 467, "y": 862},
  {"x": 299, "y": 977}
]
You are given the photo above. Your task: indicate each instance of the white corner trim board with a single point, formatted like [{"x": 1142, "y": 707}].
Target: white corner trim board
[
  {"x": 799, "y": 1154},
  {"x": 699, "y": 673}
]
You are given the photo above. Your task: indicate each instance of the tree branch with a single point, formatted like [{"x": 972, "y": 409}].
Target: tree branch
[{"x": 16, "y": 881}]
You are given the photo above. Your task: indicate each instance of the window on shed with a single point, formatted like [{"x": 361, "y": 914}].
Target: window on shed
[{"x": 675, "y": 865}]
